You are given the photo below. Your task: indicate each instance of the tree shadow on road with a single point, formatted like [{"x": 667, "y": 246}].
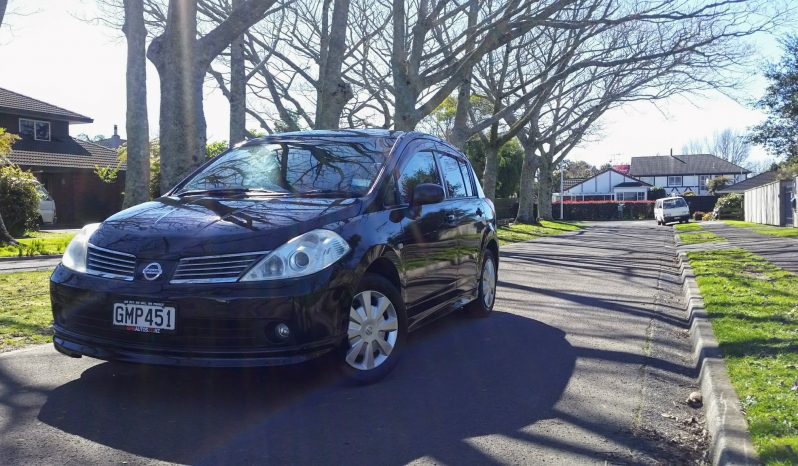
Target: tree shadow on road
[{"x": 459, "y": 378}]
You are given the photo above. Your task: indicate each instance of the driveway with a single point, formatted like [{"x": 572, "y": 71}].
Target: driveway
[{"x": 585, "y": 361}]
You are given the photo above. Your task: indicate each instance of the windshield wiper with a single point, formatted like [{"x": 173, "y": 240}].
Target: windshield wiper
[
  {"x": 327, "y": 193},
  {"x": 227, "y": 191}
]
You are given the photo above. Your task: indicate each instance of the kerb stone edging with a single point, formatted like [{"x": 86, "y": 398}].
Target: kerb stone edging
[{"x": 731, "y": 442}]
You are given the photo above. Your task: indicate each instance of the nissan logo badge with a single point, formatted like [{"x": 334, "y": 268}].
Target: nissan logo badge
[{"x": 152, "y": 271}]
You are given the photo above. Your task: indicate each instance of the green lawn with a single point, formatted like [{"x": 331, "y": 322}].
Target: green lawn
[
  {"x": 25, "y": 316},
  {"x": 38, "y": 244},
  {"x": 701, "y": 237},
  {"x": 518, "y": 232},
  {"x": 688, "y": 227},
  {"x": 783, "y": 232},
  {"x": 753, "y": 306}
]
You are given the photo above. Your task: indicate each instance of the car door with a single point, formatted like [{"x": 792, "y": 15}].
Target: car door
[
  {"x": 429, "y": 242},
  {"x": 464, "y": 214}
]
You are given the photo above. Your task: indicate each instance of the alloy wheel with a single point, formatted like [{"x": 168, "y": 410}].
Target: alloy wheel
[
  {"x": 373, "y": 330},
  {"x": 488, "y": 283}
]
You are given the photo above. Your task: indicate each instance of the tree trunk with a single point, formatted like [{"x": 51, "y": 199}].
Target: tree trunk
[
  {"x": 460, "y": 129},
  {"x": 490, "y": 175},
  {"x": 137, "y": 176},
  {"x": 333, "y": 91},
  {"x": 238, "y": 89},
  {"x": 545, "y": 189},
  {"x": 5, "y": 236},
  {"x": 526, "y": 197},
  {"x": 3, "y": 5},
  {"x": 182, "y": 122}
]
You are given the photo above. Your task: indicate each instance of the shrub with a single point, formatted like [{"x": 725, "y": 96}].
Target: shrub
[
  {"x": 604, "y": 210},
  {"x": 655, "y": 193},
  {"x": 19, "y": 200},
  {"x": 730, "y": 207},
  {"x": 707, "y": 217},
  {"x": 698, "y": 215}
]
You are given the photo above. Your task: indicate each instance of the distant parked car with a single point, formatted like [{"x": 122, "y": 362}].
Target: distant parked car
[
  {"x": 671, "y": 209},
  {"x": 46, "y": 206},
  {"x": 283, "y": 249}
]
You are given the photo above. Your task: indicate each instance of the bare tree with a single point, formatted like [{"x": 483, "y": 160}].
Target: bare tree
[
  {"x": 182, "y": 60},
  {"x": 137, "y": 176},
  {"x": 727, "y": 144}
]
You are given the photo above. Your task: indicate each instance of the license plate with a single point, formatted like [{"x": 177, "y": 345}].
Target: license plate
[{"x": 145, "y": 317}]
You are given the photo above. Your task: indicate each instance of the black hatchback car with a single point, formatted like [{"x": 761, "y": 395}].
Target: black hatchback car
[{"x": 283, "y": 249}]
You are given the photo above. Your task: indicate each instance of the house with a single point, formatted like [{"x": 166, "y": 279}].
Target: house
[
  {"x": 682, "y": 174},
  {"x": 768, "y": 200},
  {"x": 64, "y": 165},
  {"x": 114, "y": 142},
  {"x": 609, "y": 185}
]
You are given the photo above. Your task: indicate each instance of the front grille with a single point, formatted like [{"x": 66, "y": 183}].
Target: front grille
[
  {"x": 214, "y": 269},
  {"x": 110, "y": 264}
]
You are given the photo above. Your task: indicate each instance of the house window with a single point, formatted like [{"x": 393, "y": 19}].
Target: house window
[
  {"x": 674, "y": 181},
  {"x": 641, "y": 196},
  {"x": 38, "y": 130},
  {"x": 702, "y": 181}
]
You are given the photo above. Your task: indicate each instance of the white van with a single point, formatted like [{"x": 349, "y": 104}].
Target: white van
[
  {"x": 671, "y": 209},
  {"x": 46, "y": 206}
]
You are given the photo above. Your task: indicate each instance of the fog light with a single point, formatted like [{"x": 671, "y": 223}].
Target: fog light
[{"x": 282, "y": 331}]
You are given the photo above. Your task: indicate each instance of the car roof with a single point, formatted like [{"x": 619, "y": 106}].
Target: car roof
[{"x": 332, "y": 133}]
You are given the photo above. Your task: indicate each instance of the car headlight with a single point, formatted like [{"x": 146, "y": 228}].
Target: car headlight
[
  {"x": 75, "y": 254},
  {"x": 303, "y": 255}
]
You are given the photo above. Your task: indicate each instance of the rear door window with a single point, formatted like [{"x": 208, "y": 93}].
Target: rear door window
[{"x": 454, "y": 185}]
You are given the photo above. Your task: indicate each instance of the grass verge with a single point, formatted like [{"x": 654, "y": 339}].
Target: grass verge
[
  {"x": 782, "y": 232},
  {"x": 38, "y": 244},
  {"x": 753, "y": 306},
  {"x": 518, "y": 232},
  {"x": 688, "y": 227},
  {"x": 701, "y": 237},
  {"x": 25, "y": 316}
]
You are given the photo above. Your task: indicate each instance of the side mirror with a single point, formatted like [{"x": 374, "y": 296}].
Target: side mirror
[{"x": 427, "y": 193}]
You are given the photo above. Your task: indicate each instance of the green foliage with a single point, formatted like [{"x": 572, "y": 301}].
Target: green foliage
[
  {"x": 40, "y": 244},
  {"x": 753, "y": 308},
  {"x": 6, "y": 141},
  {"x": 730, "y": 206},
  {"x": 717, "y": 184},
  {"x": 511, "y": 159},
  {"x": 779, "y": 133},
  {"x": 19, "y": 199},
  {"x": 655, "y": 193},
  {"x": 212, "y": 149}
]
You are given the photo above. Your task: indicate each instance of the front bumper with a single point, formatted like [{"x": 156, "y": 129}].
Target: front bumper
[
  {"x": 218, "y": 325},
  {"x": 677, "y": 218}
]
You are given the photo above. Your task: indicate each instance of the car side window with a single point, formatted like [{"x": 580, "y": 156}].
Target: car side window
[
  {"x": 419, "y": 169},
  {"x": 454, "y": 185},
  {"x": 469, "y": 184}
]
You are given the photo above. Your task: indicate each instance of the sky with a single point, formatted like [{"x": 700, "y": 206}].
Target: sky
[{"x": 48, "y": 51}]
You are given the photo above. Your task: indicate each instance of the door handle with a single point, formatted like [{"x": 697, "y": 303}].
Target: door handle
[
  {"x": 450, "y": 218},
  {"x": 479, "y": 212}
]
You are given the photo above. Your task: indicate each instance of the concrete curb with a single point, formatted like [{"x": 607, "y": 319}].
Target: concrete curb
[
  {"x": 731, "y": 442},
  {"x": 28, "y": 258}
]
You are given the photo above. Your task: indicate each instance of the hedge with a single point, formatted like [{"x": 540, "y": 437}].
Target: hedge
[{"x": 604, "y": 210}]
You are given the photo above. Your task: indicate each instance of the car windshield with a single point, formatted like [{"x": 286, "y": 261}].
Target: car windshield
[
  {"x": 309, "y": 167},
  {"x": 674, "y": 203}
]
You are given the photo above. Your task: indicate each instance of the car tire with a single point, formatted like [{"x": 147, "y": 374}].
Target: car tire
[
  {"x": 486, "y": 289},
  {"x": 374, "y": 341}
]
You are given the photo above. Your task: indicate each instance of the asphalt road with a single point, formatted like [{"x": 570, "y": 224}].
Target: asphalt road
[{"x": 584, "y": 361}]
